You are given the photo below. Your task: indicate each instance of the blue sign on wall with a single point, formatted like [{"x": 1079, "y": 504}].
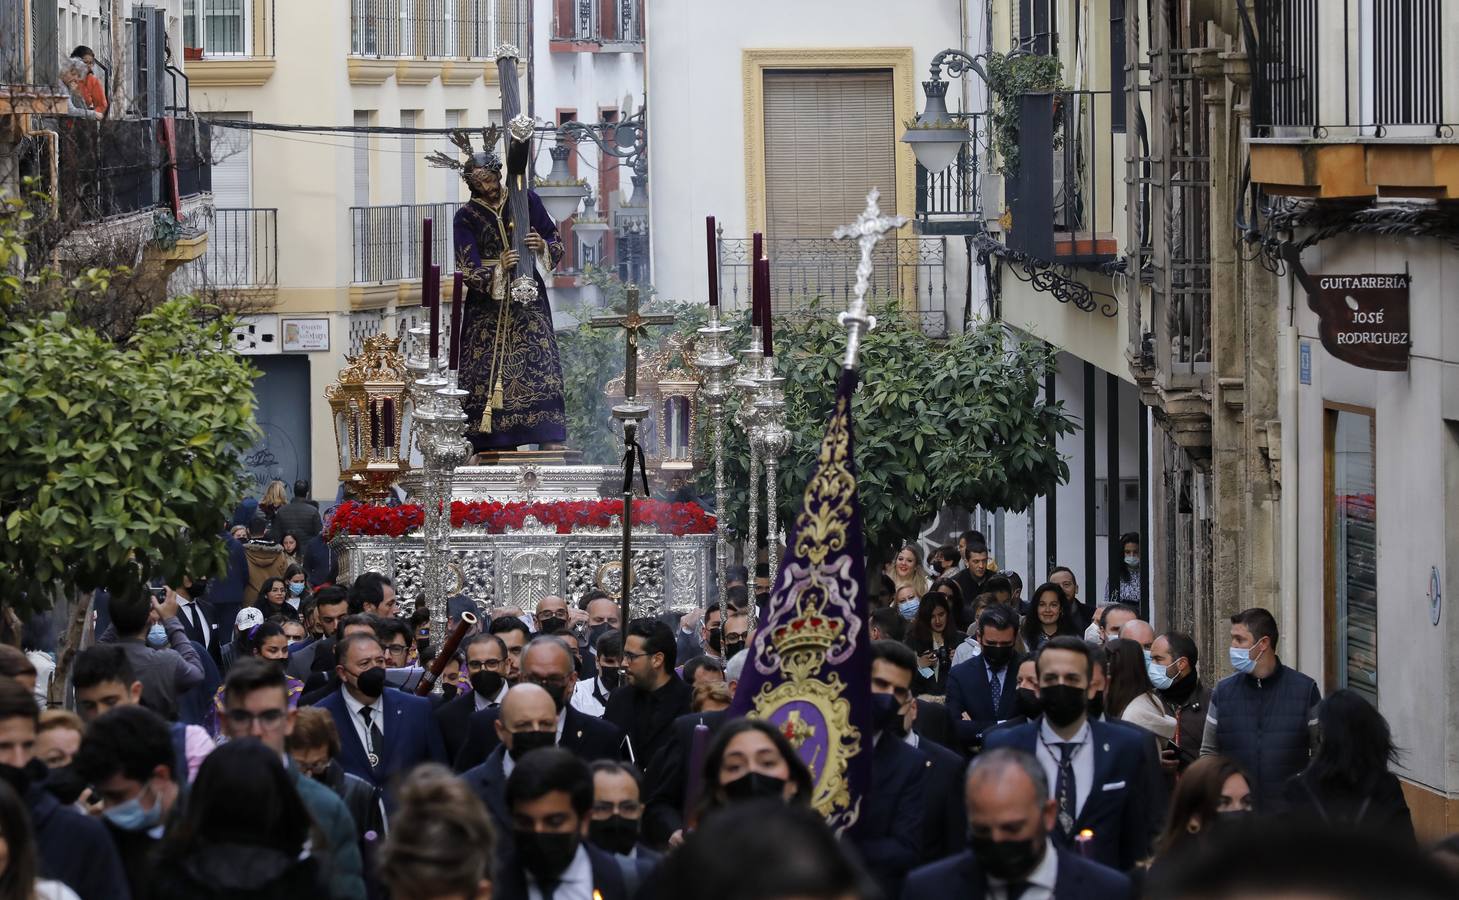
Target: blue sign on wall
[{"x": 1304, "y": 362}]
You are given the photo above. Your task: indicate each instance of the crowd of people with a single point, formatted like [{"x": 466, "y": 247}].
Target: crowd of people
[{"x": 1021, "y": 749}]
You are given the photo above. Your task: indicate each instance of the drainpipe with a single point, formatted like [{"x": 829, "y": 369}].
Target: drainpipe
[
  {"x": 53, "y": 159},
  {"x": 1290, "y": 411}
]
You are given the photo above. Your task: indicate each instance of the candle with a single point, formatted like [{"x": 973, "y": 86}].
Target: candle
[
  {"x": 698, "y": 747},
  {"x": 433, "y": 276},
  {"x": 713, "y": 247},
  {"x": 374, "y": 430},
  {"x": 427, "y": 225},
  {"x": 769, "y": 346},
  {"x": 758, "y": 249},
  {"x": 457, "y": 311},
  {"x": 389, "y": 436}
]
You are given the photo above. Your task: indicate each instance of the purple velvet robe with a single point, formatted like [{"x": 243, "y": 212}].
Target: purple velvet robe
[{"x": 531, "y": 371}]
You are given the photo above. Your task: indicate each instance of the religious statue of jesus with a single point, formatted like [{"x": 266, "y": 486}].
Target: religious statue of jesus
[{"x": 510, "y": 367}]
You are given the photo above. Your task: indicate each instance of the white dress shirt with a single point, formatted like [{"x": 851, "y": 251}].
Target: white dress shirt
[
  {"x": 1049, "y": 754},
  {"x": 1040, "y": 882},
  {"x": 576, "y": 882},
  {"x": 377, "y": 717}
]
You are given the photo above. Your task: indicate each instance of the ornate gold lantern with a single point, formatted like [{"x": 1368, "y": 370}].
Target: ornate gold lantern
[
  {"x": 372, "y": 428},
  {"x": 668, "y": 387}
]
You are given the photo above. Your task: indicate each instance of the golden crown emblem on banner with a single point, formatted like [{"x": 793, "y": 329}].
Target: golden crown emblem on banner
[{"x": 802, "y": 642}]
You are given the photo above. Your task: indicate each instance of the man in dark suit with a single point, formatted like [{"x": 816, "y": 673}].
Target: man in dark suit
[
  {"x": 1011, "y": 818},
  {"x": 984, "y": 690},
  {"x": 617, "y": 815},
  {"x": 331, "y": 604},
  {"x": 550, "y": 794},
  {"x": 893, "y": 816},
  {"x": 1099, "y": 770},
  {"x": 971, "y": 580},
  {"x": 527, "y": 723},
  {"x": 299, "y": 517},
  {"x": 668, "y": 777},
  {"x": 645, "y": 708},
  {"x": 933, "y": 724},
  {"x": 486, "y": 663},
  {"x": 199, "y": 619},
  {"x": 547, "y": 663},
  {"x": 382, "y": 731}
]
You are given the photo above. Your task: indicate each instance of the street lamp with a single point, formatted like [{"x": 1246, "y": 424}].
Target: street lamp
[
  {"x": 560, "y": 191},
  {"x": 936, "y": 137}
]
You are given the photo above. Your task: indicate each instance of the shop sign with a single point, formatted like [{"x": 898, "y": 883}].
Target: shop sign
[{"x": 1364, "y": 319}]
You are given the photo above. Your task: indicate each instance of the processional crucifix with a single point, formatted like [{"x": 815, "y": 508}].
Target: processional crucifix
[{"x": 630, "y": 412}]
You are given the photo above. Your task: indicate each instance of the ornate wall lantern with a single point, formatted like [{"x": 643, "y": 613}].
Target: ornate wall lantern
[
  {"x": 372, "y": 424},
  {"x": 678, "y": 410}
]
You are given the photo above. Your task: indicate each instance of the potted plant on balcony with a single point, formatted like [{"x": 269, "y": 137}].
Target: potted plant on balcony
[
  {"x": 1011, "y": 76},
  {"x": 192, "y": 54}
]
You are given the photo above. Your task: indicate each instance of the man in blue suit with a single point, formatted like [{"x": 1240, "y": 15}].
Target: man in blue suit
[
  {"x": 1011, "y": 820},
  {"x": 1098, "y": 770},
  {"x": 984, "y": 690},
  {"x": 382, "y": 731}
]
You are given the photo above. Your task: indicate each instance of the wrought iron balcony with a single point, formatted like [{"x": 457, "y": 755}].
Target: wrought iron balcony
[
  {"x": 229, "y": 29},
  {"x": 110, "y": 168},
  {"x": 387, "y": 241},
  {"x": 593, "y": 25},
  {"x": 470, "y": 29},
  {"x": 950, "y": 202},
  {"x": 243, "y": 253}
]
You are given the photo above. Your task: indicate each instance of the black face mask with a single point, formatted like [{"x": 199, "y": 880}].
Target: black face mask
[
  {"x": 1096, "y": 705},
  {"x": 551, "y": 626},
  {"x": 65, "y": 785},
  {"x": 1007, "y": 860},
  {"x": 448, "y": 689},
  {"x": 997, "y": 657},
  {"x": 597, "y": 631},
  {"x": 1063, "y": 703},
  {"x": 1028, "y": 703},
  {"x": 545, "y": 855},
  {"x": 524, "y": 742},
  {"x": 754, "y": 786},
  {"x": 486, "y": 684},
  {"x": 558, "y": 693},
  {"x": 20, "y": 779},
  {"x": 716, "y": 639},
  {"x": 885, "y": 713},
  {"x": 611, "y": 676},
  {"x": 616, "y": 834},
  {"x": 422, "y": 647},
  {"x": 732, "y": 648},
  {"x": 371, "y": 682}
]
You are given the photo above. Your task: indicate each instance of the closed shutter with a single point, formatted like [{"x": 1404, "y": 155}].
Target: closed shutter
[
  {"x": 362, "y": 159},
  {"x": 231, "y": 243},
  {"x": 450, "y": 178},
  {"x": 407, "y": 158}
]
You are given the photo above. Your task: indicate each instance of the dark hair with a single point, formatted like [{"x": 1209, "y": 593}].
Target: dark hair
[
  {"x": 1015, "y": 582},
  {"x": 1128, "y": 676},
  {"x": 737, "y": 596},
  {"x": 1354, "y": 745},
  {"x": 369, "y": 620},
  {"x": 957, "y": 589},
  {"x": 658, "y": 638},
  {"x": 1197, "y": 793},
  {"x": 441, "y": 839},
  {"x": 1033, "y": 629},
  {"x": 998, "y": 584},
  {"x": 615, "y": 767},
  {"x": 314, "y": 727},
  {"x": 891, "y": 623},
  {"x": 896, "y": 653},
  {"x": 610, "y": 643},
  {"x": 258, "y": 525},
  {"x": 261, "y": 601},
  {"x": 975, "y": 546},
  {"x": 16, "y": 702},
  {"x": 692, "y": 667},
  {"x": 251, "y": 641},
  {"x": 249, "y": 674},
  {"x": 301, "y": 488},
  {"x": 99, "y": 663},
  {"x": 131, "y": 741},
  {"x": 946, "y": 553},
  {"x": 368, "y": 588},
  {"x": 541, "y": 772},
  {"x": 922, "y": 624},
  {"x": 1259, "y": 622},
  {"x": 22, "y": 869},
  {"x": 483, "y": 638},
  {"x": 999, "y": 617},
  {"x": 392, "y": 626},
  {"x": 1182, "y": 645},
  {"x": 273, "y": 817},
  {"x": 1072, "y": 644},
  {"x": 130, "y": 611},
  {"x": 1057, "y": 569},
  {"x": 509, "y": 623},
  {"x": 972, "y": 536},
  {"x": 330, "y": 596},
  {"x": 1121, "y": 607},
  {"x": 590, "y": 595},
  {"x": 1127, "y": 572},
  {"x": 764, "y": 849},
  {"x": 737, "y": 574},
  {"x": 800, "y": 775},
  {"x": 14, "y": 663},
  {"x": 82, "y": 51}
]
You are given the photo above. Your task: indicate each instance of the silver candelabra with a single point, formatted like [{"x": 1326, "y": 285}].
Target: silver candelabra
[
  {"x": 716, "y": 363},
  {"x": 773, "y": 440},
  {"x": 748, "y": 385}
]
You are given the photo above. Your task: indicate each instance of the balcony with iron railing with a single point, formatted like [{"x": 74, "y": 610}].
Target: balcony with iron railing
[
  {"x": 29, "y": 60},
  {"x": 592, "y": 26},
  {"x": 242, "y": 254},
  {"x": 418, "y": 41},
  {"x": 950, "y": 201},
  {"x": 387, "y": 240},
  {"x": 1352, "y": 98},
  {"x": 229, "y": 43}
]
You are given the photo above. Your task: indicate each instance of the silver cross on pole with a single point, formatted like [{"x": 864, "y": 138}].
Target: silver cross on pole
[{"x": 868, "y": 229}]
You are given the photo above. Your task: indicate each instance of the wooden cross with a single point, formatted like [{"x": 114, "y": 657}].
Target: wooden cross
[
  {"x": 868, "y": 229},
  {"x": 633, "y": 324}
]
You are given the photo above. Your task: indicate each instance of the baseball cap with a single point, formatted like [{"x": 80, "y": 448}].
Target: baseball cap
[{"x": 248, "y": 617}]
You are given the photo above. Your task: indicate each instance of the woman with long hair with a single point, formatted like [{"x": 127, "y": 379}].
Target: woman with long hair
[
  {"x": 441, "y": 840},
  {"x": 906, "y": 570},
  {"x": 273, "y": 599},
  {"x": 19, "y": 866},
  {"x": 1123, "y": 586},
  {"x": 1050, "y": 614},
  {"x": 244, "y": 833},
  {"x": 1213, "y": 789},
  {"x": 1128, "y": 694},
  {"x": 292, "y": 551},
  {"x": 275, "y": 498},
  {"x": 933, "y": 637},
  {"x": 751, "y": 760},
  {"x": 296, "y": 586},
  {"x": 1347, "y": 783}
]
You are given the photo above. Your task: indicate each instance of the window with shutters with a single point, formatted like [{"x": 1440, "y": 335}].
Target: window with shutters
[
  {"x": 408, "y": 119},
  {"x": 217, "y": 27},
  {"x": 450, "y": 178},
  {"x": 362, "y": 159},
  {"x": 1352, "y": 552}
]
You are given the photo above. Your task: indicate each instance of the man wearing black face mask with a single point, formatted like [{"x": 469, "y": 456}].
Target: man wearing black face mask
[
  {"x": 890, "y": 835},
  {"x": 526, "y": 724},
  {"x": 552, "y": 615},
  {"x": 1010, "y": 820},
  {"x": 547, "y": 663},
  {"x": 617, "y": 813},
  {"x": 550, "y": 795},
  {"x": 1102, "y": 772},
  {"x": 591, "y": 695},
  {"x": 382, "y": 730},
  {"x": 982, "y": 691},
  {"x": 486, "y": 660}
]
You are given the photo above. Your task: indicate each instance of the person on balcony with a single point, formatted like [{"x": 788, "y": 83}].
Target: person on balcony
[
  {"x": 73, "y": 77},
  {"x": 93, "y": 92}
]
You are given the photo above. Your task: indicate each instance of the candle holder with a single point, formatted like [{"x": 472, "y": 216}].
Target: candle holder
[
  {"x": 716, "y": 363},
  {"x": 441, "y": 436},
  {"x": 773, "y": 439},
  {"x": 748, "y": 385}
]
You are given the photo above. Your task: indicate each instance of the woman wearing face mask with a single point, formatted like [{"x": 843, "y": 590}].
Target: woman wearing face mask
[
  {"x": 19, "y": 862},
  {"x": 441, "y": 840},
  {"x": 296, "y": 586},
  {"x": 906, "y": 570},
  {"x": 314, "y": 750},
  {"x": 266, "y": 641},
  {"x": 273, "y": 599},
  {"x": 1128, "y": 693},
  {"x": 751, "y": 760},
  {"x": 933, "y": 638},
  {"x": 1127, "y": 588},
  {"x": 1213, "y": 793},
  {"x": 1050, "y": 615}
]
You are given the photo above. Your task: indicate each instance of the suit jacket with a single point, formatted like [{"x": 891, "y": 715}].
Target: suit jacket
[
  {"x": 298, "y": 517},
  {"x": 320, "y": 566},
  {"x": 648, "y": 719},
  {"x": 959, "y": 876},
  {"x": 889, "y": 835},
  {"x": 489, "y": 782},
  {"x": 669, "y": 777},
  {"x": 410, "y": 733},
  {"x": 969, "y": 691},
  {"x": 945, "y": 815},
  {"x": 452, "y": 718},
  {"x": 586, "y": 737},
  {"x": 934, "y": 724},
  {"x": 1118, "y": 807},
  {"x": 510, "y": 883},
  {"x": 216, "y": 633}
]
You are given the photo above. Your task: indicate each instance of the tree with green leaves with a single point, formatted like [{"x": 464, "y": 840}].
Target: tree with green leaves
[{"x": 119, "y": 461}]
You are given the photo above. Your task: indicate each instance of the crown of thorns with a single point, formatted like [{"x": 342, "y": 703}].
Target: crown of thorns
[{"x": 486, "y": 158}]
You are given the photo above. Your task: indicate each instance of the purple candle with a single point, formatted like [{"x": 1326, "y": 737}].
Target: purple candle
[
  {"x": 374, "y": 430},
  {"x": 766, "y": 342},
  {"x": 758, "y": 244},
  {"x": 457, "y": 312},
  {"x": 433, "y": 278},
  {"x": 427, "y": 225},
  {"x": 389, "y": 423},
  {"x": 695, "y": 776},
  {"x": 713, "y": 246}
]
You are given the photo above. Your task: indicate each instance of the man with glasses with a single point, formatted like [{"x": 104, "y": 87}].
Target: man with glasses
[
  {"x": 547, "y": 663},
  {"x": 256, "y": 705},
  {"x": 617, "y": 813},
  {"x": 646, "y": 707},
  {"x": 486, "y": 661},
  {"x": 331, "y": 604}
]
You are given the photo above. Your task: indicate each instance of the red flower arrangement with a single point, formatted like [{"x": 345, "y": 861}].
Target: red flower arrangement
[{"x": 368, "y": 519}]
